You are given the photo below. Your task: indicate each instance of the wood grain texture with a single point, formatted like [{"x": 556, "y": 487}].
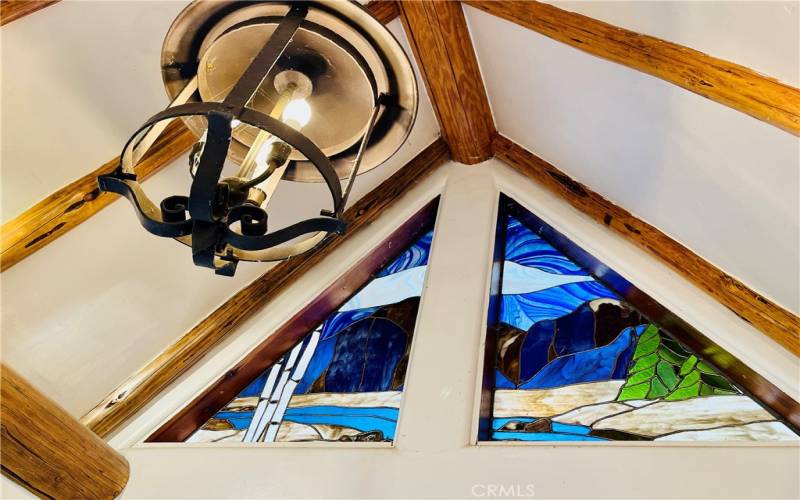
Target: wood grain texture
[
  {"x": 11, "y": 10},
  {"x": 384, "y": 10},
  {"x": 440, "y": 40},
  {"x": 135, "y": 392},
  {"x": 773, "y": 320},
  {"x": 727, "y": 83},
  {"x": 49, "y": 452},
  {"x": 55, "y": 215}
]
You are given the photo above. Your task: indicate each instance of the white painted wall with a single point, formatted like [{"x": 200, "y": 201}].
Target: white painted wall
[
  {"x": 434, "y": 455},
  {"x": 722, "y": 183},
  {"x": 86, "y": 311}
]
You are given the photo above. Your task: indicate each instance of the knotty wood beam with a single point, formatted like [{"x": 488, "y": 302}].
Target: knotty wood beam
[
  {"x": 11, "y": 10},
  {"x": 438, "y": 34},
  {"x": 773, "y": 320},
  {"x": 384, "y": 10},
  {"x": 74, "y": 203},
  {"x": 727, "y": 83},
  {"x": 135, "y": 392},
  {"x": 49, "y": 452}
]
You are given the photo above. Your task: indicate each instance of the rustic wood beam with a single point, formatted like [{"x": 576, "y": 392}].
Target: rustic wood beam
[
  {"x": 384, "y": 10},
  {"x": 439, "y": 37},
  {"x": 63, "y": 210},
  {"x": 773, "y": 320},
  {"x": 727, "y": 83},
  {"x": 11, "y": 10},
  {"x": 49, "y": 452},
  {"x": 139, "y": 389}
]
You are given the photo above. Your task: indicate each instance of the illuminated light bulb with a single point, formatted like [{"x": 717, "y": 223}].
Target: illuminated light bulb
[
  {"x": 235, "y": 123},
  {"x": 297, "y": 113}
]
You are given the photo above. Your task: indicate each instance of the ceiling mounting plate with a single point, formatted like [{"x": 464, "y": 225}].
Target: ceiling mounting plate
[{"x": 349, "y": 55}]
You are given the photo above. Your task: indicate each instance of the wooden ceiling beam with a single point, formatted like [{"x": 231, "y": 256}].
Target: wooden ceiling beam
[
  {"x": 773, "y": 320},
  {"x": 727, "y": 83},
  {"x": 49, "y": 452},
  {"x": 384, "y": 10},
  {"x": 139, "y": 389},
  {"x": 11, "y": 10},
  {"x": 440, "y": 40},
  {"x": 71, "y": 205}
]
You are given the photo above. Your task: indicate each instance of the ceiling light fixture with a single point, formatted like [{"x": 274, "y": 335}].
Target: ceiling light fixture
[{"x": 316, "y": 91}]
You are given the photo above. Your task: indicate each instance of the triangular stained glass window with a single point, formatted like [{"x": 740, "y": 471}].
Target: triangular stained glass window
[
  {"x": 574, "y": 361},
  {"x": 344, "y": 380}
]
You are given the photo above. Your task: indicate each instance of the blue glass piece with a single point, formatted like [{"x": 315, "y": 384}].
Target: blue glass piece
[
  {"x": 502, "y": 382},
  {"x": 534, "y": 354},
  {"x": 570, "y": 428},
  {"x": 415, "y": 256},
  {"x": 362, "y": 419},
  {"x": 365, "y": 357},
  {"x": 624, "y": 360},
  {"x": 541, "y": 436},
  {"x": 256, "y": 386},
  {"x": 341, "y": 320},
  {"x": 522, "y": 311},
  {"x": 525, "y": 247},
  {"x": 575, "y": 331},
  {"x": 238, "y": 419},
  {"x": 586, "y": 366}
]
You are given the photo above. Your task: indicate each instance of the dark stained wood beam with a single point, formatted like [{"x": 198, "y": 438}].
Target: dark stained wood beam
[
  {"x": 11, "y": 10},
  {"x": 139, "y": 389},
  {"x": 727, "y": 83},
  {"x": 439, "y": 37},
  {"x": 63, "y": 210},
  {"x": 773, "y": 320},
  {"x": 49, "y": 452},
  {"x": 384, "y": 10}
]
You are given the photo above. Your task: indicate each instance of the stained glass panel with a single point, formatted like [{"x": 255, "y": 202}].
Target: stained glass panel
[
  {"x": 575, "y": 362},
  {"x": 344, "y": 381}
]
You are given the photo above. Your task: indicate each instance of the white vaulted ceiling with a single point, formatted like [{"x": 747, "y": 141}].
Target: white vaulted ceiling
[{"x": 90, "y": 308}]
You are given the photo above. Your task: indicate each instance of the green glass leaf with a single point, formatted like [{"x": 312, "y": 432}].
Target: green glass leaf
[
  {"x": 688, "y": 365},
  {"x": 668, "y": 354},
  {"x": 692, "y": 378},
  {"x": 675, "y": 347},
  {"x": 657, "y": 389},
  {"x": 638, "y": 391},
  {"x": 706, "y": 390},
  {"x": 645, "y": 362},
  {"x": 666, "y": 372},
  {"x": 641, "y": 376},
  {"x": 681, "y": 393},
  {"x": 648, "y": 342},
  {"x": 716, "y": 381}
]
